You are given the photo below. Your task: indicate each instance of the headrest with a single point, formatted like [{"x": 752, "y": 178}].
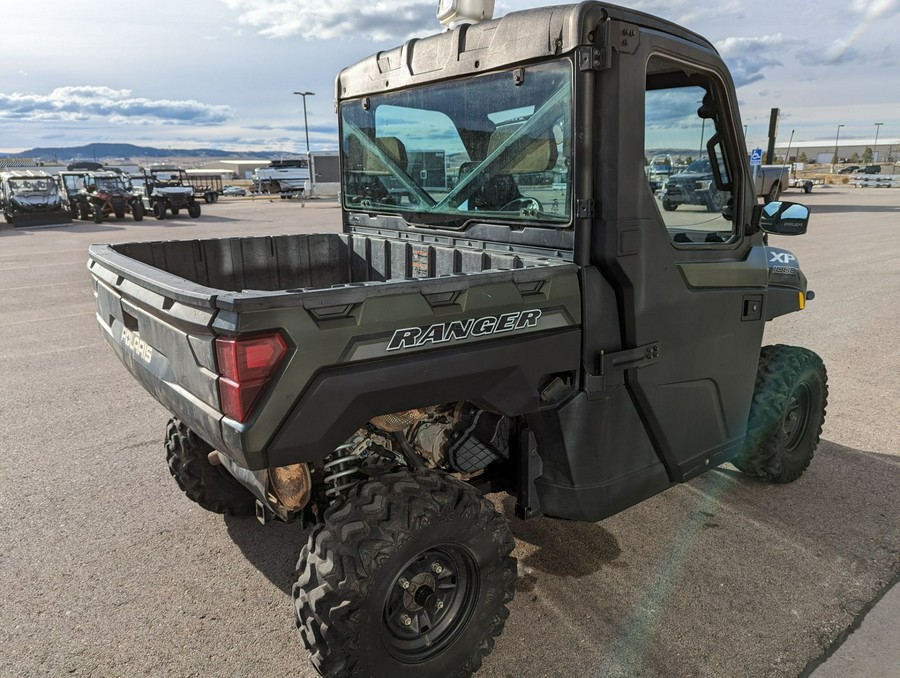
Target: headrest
[
  {"x": 361, "y": 159},
  {"x": 394, "y": 149},
  {"x": 538, "y": 155}
]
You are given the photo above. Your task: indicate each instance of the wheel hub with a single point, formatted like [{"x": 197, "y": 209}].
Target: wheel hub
[
  {"x": 421, "y": 593},
  {"x": 796, "y": 419},
  {"x": 429, "y": 602}
]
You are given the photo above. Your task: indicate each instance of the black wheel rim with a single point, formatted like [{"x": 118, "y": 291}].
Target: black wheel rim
[
  {"x": 430, "y": 602},
  {"x": 796, "y": 417}
]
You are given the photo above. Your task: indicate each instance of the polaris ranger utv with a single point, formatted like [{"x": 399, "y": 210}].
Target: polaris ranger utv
[
  {"x": 538, "y": 325},
  {"x": 166, "y": 189}
]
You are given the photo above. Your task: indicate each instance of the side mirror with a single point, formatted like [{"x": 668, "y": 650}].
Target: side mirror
[{"x": 784, "y": 218}]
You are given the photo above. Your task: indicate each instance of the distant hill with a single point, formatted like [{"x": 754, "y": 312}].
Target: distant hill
[{"x": 91, "y": 151}]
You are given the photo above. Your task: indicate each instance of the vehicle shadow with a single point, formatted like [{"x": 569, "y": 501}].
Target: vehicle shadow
[
  {"x": 187, "y": 221},
  {"x": 272, "y": 549},
  {"x": 91, "y": 227},
  {"x": 217, "y": 219},
  {"x": 845, "y": 504},
  {"x": 546, "y": 544}
]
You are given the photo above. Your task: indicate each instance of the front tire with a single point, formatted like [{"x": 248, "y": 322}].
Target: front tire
[
  {"x": 786, "y": 414},
  {"x": 669, "y": 206},
  {"x": 409, "y": 576},
  {"x": 212, "y": 487},
  {"x": 137, "y": 211},
  {"x": 98, "y": 214},
  {"x": 774, "y": 192},
  {"x": 716, "y": 200},
  {"x": 193, "y": 210},
  {"x": 159, "y": 210}
]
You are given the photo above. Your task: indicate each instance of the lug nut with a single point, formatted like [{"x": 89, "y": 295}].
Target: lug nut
[
  {"x": 439, "y": 604},
  {"x": 405, "y": 619},
  {"x": 436, "y": 568},
  {"x": 404, "y": 584}
]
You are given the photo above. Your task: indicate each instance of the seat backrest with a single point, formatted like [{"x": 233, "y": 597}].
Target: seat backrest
[
  {"x": 361, "y": 159},
  {"x": 538, "y": 155},
  {"x": 394, "y": 149}
]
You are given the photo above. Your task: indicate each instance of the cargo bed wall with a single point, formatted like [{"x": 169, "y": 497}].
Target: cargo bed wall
[{"x": 312, "y": 261}]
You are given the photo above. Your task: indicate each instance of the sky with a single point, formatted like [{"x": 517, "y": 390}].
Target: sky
[{"x": 221, "y": 73}]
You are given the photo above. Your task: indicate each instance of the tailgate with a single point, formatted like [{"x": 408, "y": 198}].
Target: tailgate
[{"x": 160, "y": 327}]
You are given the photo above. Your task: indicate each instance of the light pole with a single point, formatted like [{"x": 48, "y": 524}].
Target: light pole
[
  {"x": 875, "y": 145},
  {"x": 836, "y": 137},
  {"x": 305, "y": 126}
]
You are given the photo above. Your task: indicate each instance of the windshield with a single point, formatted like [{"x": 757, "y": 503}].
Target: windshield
[
  {"x": 33, "y": 186},
  {"x": 699, "y": 167},
  {"x": 109, "y": 184},
  {"x": 493, "y": 147}
]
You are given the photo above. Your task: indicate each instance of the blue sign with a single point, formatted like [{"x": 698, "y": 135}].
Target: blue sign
[{"x": 756, "y": 157}]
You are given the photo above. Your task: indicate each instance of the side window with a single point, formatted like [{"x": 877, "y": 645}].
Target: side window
[{"x": 687, "y": 168}]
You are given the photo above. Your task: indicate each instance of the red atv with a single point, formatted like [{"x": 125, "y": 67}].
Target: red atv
[{"x": 107, "y": 194}]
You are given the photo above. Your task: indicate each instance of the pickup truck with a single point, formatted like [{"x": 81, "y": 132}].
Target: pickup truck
[
  {"x": 537, "y": 326},
  {"x": 695, "y": 185}
]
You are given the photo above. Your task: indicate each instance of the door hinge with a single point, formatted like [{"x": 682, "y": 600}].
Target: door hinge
[
  {"x": 584, "y": 208},
  {"x": 611, "y": 368},
  {"x": 621, "y": 36},
  {"x": 629, "y": 359},
  {"x": 593, "y": 59},
  {"x": 614, "y": 36}
]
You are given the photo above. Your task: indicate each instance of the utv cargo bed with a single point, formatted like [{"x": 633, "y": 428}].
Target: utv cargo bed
[{"x": 337, "y": 300}]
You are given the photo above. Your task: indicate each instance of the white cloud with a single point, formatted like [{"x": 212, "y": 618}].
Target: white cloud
[
  {"x": 751, "y": 59},
  {"x": 380, "y": 20},
  {"x": 118, "y": 106},
  {"x": 740, "y": 47}
]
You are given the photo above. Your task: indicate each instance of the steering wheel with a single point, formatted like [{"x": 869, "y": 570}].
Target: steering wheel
[{"x": 523, "y": 203}]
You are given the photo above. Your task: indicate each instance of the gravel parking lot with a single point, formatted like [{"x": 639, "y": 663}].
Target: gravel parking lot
[{"x": 108, "y": 569}]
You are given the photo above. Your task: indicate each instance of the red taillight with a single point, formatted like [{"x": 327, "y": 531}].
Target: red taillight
[{"x": 246, "y": 365}]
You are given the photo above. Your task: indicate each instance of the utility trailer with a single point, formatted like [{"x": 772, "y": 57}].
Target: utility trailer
[
  {"x": 206, "y": 186},
  {"x": 541, "y": 326}
]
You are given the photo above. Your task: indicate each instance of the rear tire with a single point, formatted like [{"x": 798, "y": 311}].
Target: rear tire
[
  {"x": 98, "y": 214},
  {"x": 137, "y": 211},
  {"x": 786, "y": 414},
  {"x": 669, "y": 206},
  {"x": 212, "y": 487},
  {"x": 409, "y": 576},
  {"x": 774, "y": 192}
]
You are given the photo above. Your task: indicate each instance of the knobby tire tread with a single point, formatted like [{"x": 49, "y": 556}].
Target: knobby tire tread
[
  {"x": 206, "y": 485},
  {"x": 363, "y": 531},
  {"x": 781, "y": 368}
]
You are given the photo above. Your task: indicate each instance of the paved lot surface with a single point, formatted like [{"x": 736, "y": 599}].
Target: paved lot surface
[{"x": 108, "y": 570}]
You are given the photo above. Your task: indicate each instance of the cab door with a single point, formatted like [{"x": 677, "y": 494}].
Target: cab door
[{"x": 690, "y": 283}]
